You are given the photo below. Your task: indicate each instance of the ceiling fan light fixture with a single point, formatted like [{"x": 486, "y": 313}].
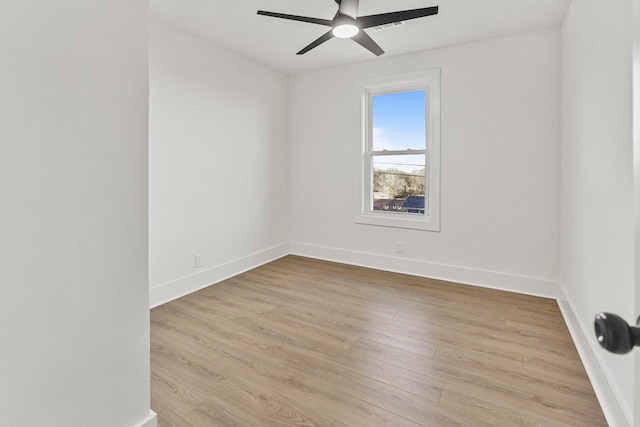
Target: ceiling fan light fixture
[{"x": 345, "y": 31}]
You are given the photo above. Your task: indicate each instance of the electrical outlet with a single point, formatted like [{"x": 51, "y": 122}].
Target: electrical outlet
[
  {"x": 399, "y": 247},
  {"x": 198, "y": 260}
]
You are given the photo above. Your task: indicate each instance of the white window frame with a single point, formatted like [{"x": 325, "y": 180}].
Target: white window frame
[{"x": 429, "y": 81}]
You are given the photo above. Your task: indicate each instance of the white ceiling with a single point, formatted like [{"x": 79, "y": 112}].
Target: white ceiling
[{"x": 235, "y": 25}]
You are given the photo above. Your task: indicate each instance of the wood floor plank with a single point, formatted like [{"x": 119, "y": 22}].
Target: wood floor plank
[
  {"x": 166, "y": 417},
  {"x": 316, "y": 394},
  {"x": 313, "y": 343},
  {"x": 245, "y": 382},
  {"x": 342, "y": 378},
  {"x": 278, "y": 331},
  {"x": 460, "y": 368}
]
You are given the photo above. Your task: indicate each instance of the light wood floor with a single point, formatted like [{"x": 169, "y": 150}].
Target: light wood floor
[{"x": 307, "y": 342}]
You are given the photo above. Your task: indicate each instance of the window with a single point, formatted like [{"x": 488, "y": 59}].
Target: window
[{"x": 400, "y": 151}]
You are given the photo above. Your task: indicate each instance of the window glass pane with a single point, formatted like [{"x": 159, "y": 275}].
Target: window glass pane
[
  {"x": 399, "y": 183},
  {"x": 398, "y": 121}
]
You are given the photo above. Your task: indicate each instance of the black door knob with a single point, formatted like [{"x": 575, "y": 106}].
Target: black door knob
[{"x": 614, "y": 334}]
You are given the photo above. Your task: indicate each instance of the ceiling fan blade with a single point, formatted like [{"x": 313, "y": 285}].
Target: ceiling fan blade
[
  {"x": 325, "y": 37},
  {"x": 367, "y": 42},
  {"x": 297, "y": 18},
  {"x": 349, "y": 8},
  {"x": 391, "y": 17}
]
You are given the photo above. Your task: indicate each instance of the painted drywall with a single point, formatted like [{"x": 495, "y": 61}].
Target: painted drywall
[
  {"x": 74, "y": 347},
  {"x": 218, "y": 162},
  {"x": 597, "y": 174},
  {"x": 499, "y": 171}
]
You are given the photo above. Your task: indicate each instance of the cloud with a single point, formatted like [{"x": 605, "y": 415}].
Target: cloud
[{"x": 382, "y": 141}]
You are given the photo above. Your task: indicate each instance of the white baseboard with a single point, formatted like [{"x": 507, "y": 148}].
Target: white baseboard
[
  {"x": 150, "y": 421},
  {"x": 487, "y": 279},
  {"x": 169, "y": 291},
  {"x": 617, "y": 414}
]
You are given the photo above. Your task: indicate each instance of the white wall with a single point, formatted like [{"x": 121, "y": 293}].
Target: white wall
[
  {"x": 597, "y": 175},
  {"x": 218, "y": 162},
  {"x": 500, "y": 166},
  {"x": 74, "y": 347}
]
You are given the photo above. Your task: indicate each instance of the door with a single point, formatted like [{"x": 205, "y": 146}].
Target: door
[
  {"x": 636, "y": 191},
  {"x": 622, "y": 337}
]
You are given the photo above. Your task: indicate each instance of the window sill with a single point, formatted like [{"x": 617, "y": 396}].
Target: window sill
[{"x": 417, "y": 222}]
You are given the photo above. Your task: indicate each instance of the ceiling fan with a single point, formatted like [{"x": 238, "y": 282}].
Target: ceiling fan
[{"x": 347, "y": 24}]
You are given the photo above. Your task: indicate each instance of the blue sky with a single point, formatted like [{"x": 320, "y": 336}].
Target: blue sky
[
  {"x": 398, "y": 124},
  {"x": 398, "y": 121}
]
